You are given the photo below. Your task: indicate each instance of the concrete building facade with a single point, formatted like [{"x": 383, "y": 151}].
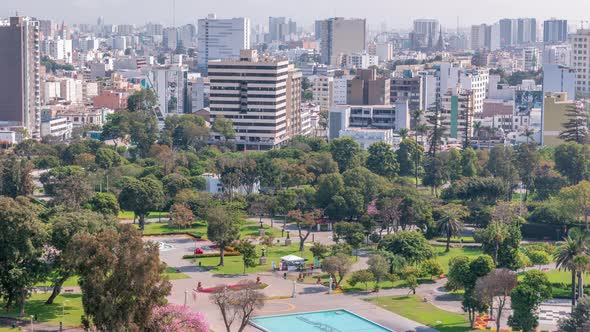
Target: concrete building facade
[
  {"x": 260, "y": 95},
  {"x": 20, "y": 87}
]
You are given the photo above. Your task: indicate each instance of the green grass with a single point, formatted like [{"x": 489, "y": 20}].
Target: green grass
[
  {"x": 235, "y": 265},
  {"x": 425, "y": 313},
  {"x": 130, "y": 215},
  {"x": 51, "y": 314},
  {"x": 172, "y": 274},
  {"x": 464, "y": 239},
  {"x": 10, "y": 329},
  {"x": 444, "y": 257},
  {"x": 199, "y": 229},
  {"x": 70, "y": 282}
]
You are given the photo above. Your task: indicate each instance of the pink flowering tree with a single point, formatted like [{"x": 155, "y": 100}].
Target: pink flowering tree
[{"x": 177, "y": 318}]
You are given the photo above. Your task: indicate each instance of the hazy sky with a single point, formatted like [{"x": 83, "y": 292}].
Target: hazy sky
[{"x": 396, "y": 13}]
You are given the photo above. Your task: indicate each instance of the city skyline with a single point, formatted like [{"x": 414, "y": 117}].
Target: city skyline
[{"x": 377, "y": 12}]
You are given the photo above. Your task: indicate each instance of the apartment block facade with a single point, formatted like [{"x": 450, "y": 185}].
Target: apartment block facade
[{"x": 260, "y": 95}]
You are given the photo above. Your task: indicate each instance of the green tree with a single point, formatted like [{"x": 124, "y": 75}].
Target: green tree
[
  {"x": 526, "y": 298},
  {"x": 142, "y": 100},
  {"x": 501, "y": 241},
  {"x": 458, "y": 273},
  {"x": 222, "y": 228},
  {"x": 319, "y": 251},
  {"x": 576, "y": 127},
  {"x": 576, "y": 200},
  {"x": 224, "y": 127},
  {"x": 469, "y": 162},
  {"x": 337, "y": 266},
  {"x": 565, "y": 256},
  {"x": 107, "y": 158},
  {"x": 361, "y": 276},
  {"x": 528, "y": 162},
  {"x": 501, "y": 164},
  {"x": 104, "y": 203},
  {"x": 351, "y": 232},
  {"x": 181, "y": 216},
  {"x": 572, "y": 160},
  {"x": 65, "y": 225},
  {"x": 22, "y": 262},
  {"x": 68, "y": 185},
  {"x": 451, "y": 222},
  {"x": 579, "y": 320},
  {"x": 431, "y": 267},
  {"x": 436, "y": 173},
  {"x": 141, "y": 196},
  {"x": 411, "y": 245},
  {"x": 379, "y": 266},
  {"x": 16, "y": 177},
  {"x": 382, "y": 160},
  {"x": 329, "y": 186},
  {"x": 103, "y": 261},
  {"x": 305, "y": 222},
  {"x": 346, "y": 152},
  {"x": 454, "y": 164},
  {"x": 248, "y": 252},
  {"x": 409, "y": 157}
]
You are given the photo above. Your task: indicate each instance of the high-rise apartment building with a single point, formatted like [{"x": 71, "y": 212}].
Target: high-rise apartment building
[
  {"x": 279, "y": 28},
  {"x": 20, "y": 95},
  {"x": 260, "y": 95},
  {"x": 555, "y": 31},
  {"x": 342, "y": 36},
  {"x": 170, "y": 38},
  {"x": 368, "y": 89},
  {"x": 530, "y": 59},
  {"x": 322, "y": 88},
  {"x": 580, "y": 60},
  {"x": 457, "y": 113},
  {"x": 407, "y": 88},
  {"x": 425, "y": 33},
  {"x": 171, "y": 87},
  {"x": 520, "y": 31},
  {"x": 220, "y": 39}
]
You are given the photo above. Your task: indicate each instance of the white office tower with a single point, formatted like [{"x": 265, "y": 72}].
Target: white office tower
[
  {"x": 425, "y": 33},
  {"x": 119, "y": 43},
  {"x": 340, "y": 36},
  {"x": 580, "y": 60},
  {"x": 220, "y": 39},
  {"x": 170, "y": 85},
  {"x": 260, "y": 95}
]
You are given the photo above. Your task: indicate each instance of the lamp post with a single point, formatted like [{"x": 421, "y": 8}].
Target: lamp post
[
  {"x": 63, "y": 314},
  {"x": 32, "y": 327},
  {"x": 185, "y": 297}
]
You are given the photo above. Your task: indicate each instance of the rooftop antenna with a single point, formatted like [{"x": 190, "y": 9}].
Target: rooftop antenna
[{"x": 174, "y": 13}]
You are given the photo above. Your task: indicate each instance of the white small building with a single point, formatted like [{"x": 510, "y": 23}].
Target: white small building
[
  {"x": 57, "y": 127},
  {"x": 213, "y": 185},
  {"x": 366, "y": 137},
  {"x": 7, "y": 137}
]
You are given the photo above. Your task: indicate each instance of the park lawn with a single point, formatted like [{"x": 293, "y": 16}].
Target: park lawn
[
  {"x": 70, "y": 282},
  {"x": 51, "y": 314},
  {"x": 199, "y": 229},
  {"x": 444, "y": 257},
  {"x": 10, "y": 329},
  {"x": 152, "y": 215},
  {"x": 464, "y": 239},
  {"x": 234, "y": 264},
  {"x": 172, "y": 274},
  {"x": 413, "y": 308}
]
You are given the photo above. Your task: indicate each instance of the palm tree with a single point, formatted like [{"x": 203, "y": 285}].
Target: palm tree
[
  {"x": 582, "y": 264},
  {"x": 528, "y": 133},
  {"x": 564, "y": 258},
  {"x": 403, "y": 133},
  {"x": 450, "y": 223},
  {"x": 477, "y": 126}
]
